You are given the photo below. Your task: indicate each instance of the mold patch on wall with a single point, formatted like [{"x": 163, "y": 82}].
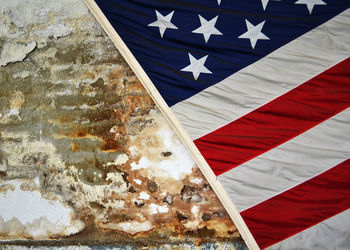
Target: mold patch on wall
[{"x": 85, "y": 155}]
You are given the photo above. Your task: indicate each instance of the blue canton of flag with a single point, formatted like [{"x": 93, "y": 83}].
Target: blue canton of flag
[{"x": 165, "y": 35}]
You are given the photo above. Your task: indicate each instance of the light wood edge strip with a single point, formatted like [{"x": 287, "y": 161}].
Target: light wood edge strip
[{"x": 175, "y": 125}]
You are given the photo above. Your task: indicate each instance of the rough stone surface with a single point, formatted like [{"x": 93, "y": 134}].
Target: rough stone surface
[
  {"x": 15, "y": 52},
  {"x": 77, "y": 126}
]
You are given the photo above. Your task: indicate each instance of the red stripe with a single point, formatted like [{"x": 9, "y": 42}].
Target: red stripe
[
  {"x": 278, "y": 121},
  {"x": 300, "y": 207}
]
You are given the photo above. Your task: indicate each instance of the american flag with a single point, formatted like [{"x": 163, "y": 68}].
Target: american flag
[{"x": 263, "y": 89}]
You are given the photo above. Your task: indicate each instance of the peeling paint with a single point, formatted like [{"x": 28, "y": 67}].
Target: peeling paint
[
  {"x": 137, "y": 181},
  {"x": 119, "y": 160},
  {"x": 78, "y": 130},
  {"x": 196, "y": 180},
  {"x": 27, "y": 212},
  {"x": 15, "y": 52},
  {"x": 155, "y": 209},
  {"x": 144, "y": 196},
  {"x": 55, "y": 30},
  {"x": 151, "y": 149},
  {"x": 21, "y": 74},
  {"x": 132, "y": 227}
]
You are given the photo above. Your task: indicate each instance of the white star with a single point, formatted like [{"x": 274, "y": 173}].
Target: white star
[
  {"x": 219, "y": 1},
  {"x": 254, "y": 33},
  {"x": 197, "y": 66},
  {"x": 264, "y": 3},
  {"x": 163, "y": 22},
  {"x": 310, "y": 3},
  {"x": 207, "y": 28}
]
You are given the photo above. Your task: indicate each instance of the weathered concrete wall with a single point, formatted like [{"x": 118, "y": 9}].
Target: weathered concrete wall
[{"x": 77, "y": 128}]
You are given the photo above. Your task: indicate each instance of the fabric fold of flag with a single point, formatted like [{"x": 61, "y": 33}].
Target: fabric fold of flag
[{"x": 263, "y": 90}]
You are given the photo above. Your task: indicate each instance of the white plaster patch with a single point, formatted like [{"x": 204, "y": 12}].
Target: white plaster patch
[
  {"x": 68, "y": 107},
  {"x": 143, "y": 163},
  {"x": 137, "y": 181},
  {"x": 155, "y": 209},
  {"x": 196, "y": 180},
  {"x": 85, "y": 106},
  {"x": 16, "y": 100},
  {"x": 15, "y": 52},
  {"x": 98, "y": 193},
  {"x": 22, "y": 74},
  {"x": 119, "y": 160},
  {"x": 15, "y": 152},
  {"x": 115, "y": 204},
  {"x": 38, "y": 216},
  {"x": 191, "y": 225},
  {"x": 12, "y": 112},
  {"x": 177, "y": 166},
  {"x": 194, "y": 223},
  {"x": 134, "y": 227},
  {"x": 195, "y": 210},
  {"x": 133, "y": 150},
  {"x": 36, "y": 181},
  {"x": 65, "y": 92},
  {"x": 3, "y": 27},
  {"x": 91, "y": 94},
  {"x": 144, "y": 196},
  {"x": 115, "y": 177},
  {"x": 55, "y": 30}
]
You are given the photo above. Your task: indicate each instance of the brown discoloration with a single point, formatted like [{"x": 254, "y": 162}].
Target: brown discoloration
[
  {"x": 110, "y": 144},
  {"x": 223, "y": 228},
  {"x": 75, "y": 146},
  {"x": 152, "y": 186},
  {"x": 2, "y": 174},
  {"x": 117, "y": 73},
  {"x": 206, "y": 217},
  {"x": 6, "y": 187},
  {"x": 166, "y": 154},
  {"x": 181, "y": 216},
  {"x": 16, "y": 100},
  {"x": 190, "y": 194},
  {"x": 90, "y": 75}
]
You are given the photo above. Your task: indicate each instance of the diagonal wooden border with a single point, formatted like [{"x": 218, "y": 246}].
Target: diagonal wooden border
[{"x": 175, "y": 124}]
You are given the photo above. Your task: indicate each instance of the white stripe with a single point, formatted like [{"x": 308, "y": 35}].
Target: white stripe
[
  {"x": 263, "y": 81},
  {"x": 289, "y": 164},
  {"x": 333, "y": 233}
]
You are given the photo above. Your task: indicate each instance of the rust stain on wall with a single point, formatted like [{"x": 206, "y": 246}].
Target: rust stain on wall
[{"x": 78, "y": 128}]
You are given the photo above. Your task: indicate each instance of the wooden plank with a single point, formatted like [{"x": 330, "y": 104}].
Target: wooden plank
[{"x": 175, "y": 124}]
